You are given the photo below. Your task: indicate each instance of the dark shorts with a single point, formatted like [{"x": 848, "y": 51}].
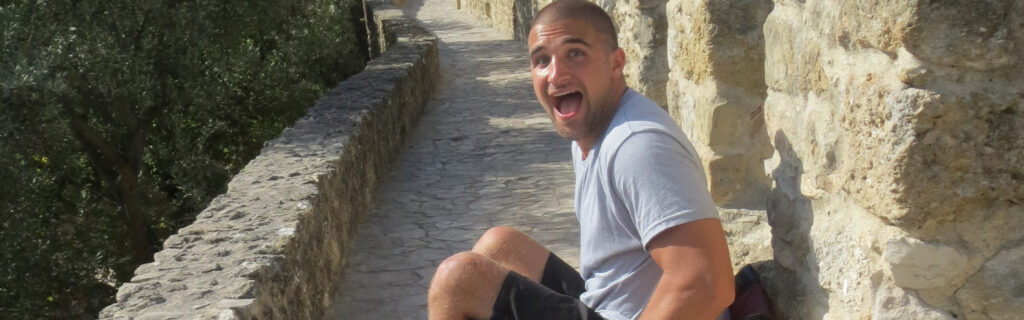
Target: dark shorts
[{"x": 555, "y": 297}]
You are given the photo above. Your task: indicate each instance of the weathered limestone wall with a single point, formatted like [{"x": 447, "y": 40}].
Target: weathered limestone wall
[
  {"x": 498, "y": 14},
  {"x": 883, "y": 138},
  {"x": 898, "y": 175},
  {"x": 716, "y": 92},
  {"x": 273, "y": 246}
]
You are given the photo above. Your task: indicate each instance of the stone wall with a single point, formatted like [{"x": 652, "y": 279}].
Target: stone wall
[
  {"x": 498, "y": 14},
  {"x": 867, "y": 154},
  {"x": 897, "y": 127},
  {"x": 716, "y": 92},
  {"x": 273, "y": 246}
]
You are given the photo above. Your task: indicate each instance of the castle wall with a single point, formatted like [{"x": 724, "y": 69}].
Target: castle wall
[{"x": 898, "y": 183}]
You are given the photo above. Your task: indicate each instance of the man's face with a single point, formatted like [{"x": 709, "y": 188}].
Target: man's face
[{"x": 573, "y": 71}]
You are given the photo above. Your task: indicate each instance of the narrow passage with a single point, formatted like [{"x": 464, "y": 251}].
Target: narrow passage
[{"x": 484, "y": 154}]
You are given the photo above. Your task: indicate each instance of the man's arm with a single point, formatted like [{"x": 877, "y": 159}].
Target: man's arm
[{"x": 697, "y": 281}]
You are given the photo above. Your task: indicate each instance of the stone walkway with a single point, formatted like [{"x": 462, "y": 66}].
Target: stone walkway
[{"x": 483, "y": 155}]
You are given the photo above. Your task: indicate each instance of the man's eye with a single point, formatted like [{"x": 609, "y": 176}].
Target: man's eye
[
  {"x": 542, "y": 61},
  {"x": 576, "y": 53}
]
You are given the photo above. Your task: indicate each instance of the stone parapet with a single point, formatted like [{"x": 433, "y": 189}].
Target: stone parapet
[
  {"x": 501, "y": 14},
  {"x": 273, "y": 246}
]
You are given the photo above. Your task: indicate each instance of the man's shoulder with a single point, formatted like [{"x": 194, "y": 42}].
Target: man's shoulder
[{"x": 637, "y": 115}]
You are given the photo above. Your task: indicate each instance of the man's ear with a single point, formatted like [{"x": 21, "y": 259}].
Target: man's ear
[{"x": 618, "y": 60}]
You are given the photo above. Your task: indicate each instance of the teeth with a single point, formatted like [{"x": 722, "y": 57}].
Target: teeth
[{"x": 563, "y": 93}]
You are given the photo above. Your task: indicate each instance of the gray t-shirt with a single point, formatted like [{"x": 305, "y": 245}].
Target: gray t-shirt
[{"x": 642, "y": 177}]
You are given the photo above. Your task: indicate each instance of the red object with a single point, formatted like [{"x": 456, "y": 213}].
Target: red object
[{"x": 752, "y": 303}]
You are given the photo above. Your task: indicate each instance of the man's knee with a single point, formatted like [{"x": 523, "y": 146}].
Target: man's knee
[
  {"x": 461, "y": 269},
  {"x": 513, "y": 250},
  {"x": 465, "y": 286},
  {"x": 498, "y": 237}
]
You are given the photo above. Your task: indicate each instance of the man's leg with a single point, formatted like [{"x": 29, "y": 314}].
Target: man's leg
[
  {"x": 517, "y": 251},
  {"x": 514, "y": 250},
  {"x": 467, "y": 284}
]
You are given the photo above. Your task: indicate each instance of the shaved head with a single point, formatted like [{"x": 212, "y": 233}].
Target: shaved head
[{"x": 580, "y": 10}]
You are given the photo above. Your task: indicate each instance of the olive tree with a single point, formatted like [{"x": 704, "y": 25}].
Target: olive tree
[{"x": 121, "y": 119}]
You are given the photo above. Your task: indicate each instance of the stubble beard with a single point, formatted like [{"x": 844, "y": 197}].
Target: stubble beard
[{"x": 595, "y": 122}]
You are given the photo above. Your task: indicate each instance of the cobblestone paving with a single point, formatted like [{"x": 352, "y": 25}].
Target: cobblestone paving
[{"x": 483, "y": 155}]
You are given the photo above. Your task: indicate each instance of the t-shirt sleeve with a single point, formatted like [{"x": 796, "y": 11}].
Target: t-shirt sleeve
[{"x": 661, "y": 183}]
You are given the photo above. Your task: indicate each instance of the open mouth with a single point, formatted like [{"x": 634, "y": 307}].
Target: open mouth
[{"x": 567, "y": 103}]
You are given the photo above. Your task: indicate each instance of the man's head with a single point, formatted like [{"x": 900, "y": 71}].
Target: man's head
[
  {"x": 576, "y": 66},
  {"x": 584, "y": 11}
]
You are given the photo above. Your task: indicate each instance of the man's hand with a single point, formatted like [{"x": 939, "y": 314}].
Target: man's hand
[{"x": 697, "y": 281}]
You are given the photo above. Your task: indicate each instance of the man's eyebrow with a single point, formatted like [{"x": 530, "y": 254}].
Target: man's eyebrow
[
  {"x": 566, "y": 41},
  {"x": 576, "y": 40},
  {"x": 535, "y": 50}
]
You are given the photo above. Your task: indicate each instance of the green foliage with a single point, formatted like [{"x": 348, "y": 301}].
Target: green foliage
[{"x": 121, "y": 119}]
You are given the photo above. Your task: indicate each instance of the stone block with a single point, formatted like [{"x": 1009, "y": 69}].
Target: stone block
[
  {"x": 731, "y": 183},
  {"x": 716, "y": 90},
  {"x": 227, "y": 315},
  {"x": 161, "y": 316},
  {"x": 893, "y": 303},
  {"x": 499, "y": 14},
  {"x": 976, "y": 35},
  {"x": 643, "y": 31},
  {"x": 524, "y": 11},
  {"x": 749, "y": 236},
  {"x": 918, "y": 265},
  {"x": 997, "y": 290}
]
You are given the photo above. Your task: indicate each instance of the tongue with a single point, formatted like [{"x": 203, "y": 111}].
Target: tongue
[{"x": 569, "y": 103}]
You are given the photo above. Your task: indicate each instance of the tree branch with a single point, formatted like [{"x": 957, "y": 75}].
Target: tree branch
[{"x": 103, "y": 155}]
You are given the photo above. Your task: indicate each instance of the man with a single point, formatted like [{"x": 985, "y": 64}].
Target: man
[{"x": 652, "y": 246}]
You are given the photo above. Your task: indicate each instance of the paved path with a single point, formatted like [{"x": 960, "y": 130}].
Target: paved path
[{"x": 484, "y": 154}]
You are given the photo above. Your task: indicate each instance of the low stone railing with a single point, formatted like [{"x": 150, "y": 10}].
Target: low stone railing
[{"x": 273, "y": 246}]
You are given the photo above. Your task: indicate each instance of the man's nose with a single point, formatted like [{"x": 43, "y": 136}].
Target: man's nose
[{"x": 559, "y": 75}]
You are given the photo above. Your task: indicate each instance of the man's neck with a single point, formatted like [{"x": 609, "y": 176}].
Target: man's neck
[
  {"x": 585, "y": 151},
  {"x": 587, "y": 144}
]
